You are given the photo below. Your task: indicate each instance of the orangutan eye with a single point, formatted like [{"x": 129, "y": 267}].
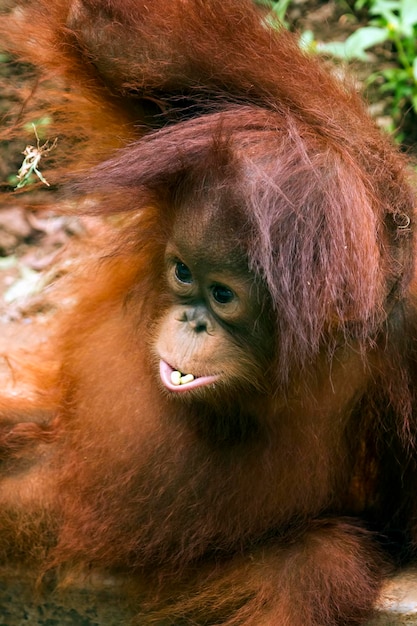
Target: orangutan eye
[
  {"x": 182, "y": 273},
  {"x": 222, "y": 294}
]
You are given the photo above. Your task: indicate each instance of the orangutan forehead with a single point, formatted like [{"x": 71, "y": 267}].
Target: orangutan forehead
[
  {"x": 209, "y": 237},
  {"x": 208, "y": 228}
]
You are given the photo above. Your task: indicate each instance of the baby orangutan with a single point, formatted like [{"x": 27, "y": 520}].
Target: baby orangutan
[{"x": 232, "y": 422}]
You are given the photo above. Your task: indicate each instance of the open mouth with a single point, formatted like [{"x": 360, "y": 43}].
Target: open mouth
[{"x": 177, "y": 381}]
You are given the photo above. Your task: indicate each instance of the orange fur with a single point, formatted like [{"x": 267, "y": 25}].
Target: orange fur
[{"x": 281, "y": 502}]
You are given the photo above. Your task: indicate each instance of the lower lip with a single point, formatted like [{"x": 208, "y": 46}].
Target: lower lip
[{"x": 166, "y": 370}]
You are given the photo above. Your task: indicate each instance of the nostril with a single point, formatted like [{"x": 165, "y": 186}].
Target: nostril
[
  {"x": 197, "y": 322},
  {"x": 199, "y": 326},
  {"x": 197, "y": 319}
]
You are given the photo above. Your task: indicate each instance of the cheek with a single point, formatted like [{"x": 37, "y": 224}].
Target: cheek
[
  {"x": 187, "y": 349},
  {"x": 204, "y": 354}
]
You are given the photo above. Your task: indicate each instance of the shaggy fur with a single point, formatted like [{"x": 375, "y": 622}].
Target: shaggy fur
[{"x": 279, "y": 501}]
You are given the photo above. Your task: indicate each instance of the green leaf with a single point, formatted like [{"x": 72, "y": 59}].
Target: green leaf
[
  {"x": 307, "y": 41},
  {"x": 355, "y": 45},
  {"x": 280, "y": 9},
  {"x": 408, "y": 16},
  {"x": 415, "y": 69},
  {"x": 386, "y": 9}
]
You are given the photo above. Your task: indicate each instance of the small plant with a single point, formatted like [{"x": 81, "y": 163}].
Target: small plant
[
  {"x": 30, "y": 165},
  {"x": 277, "y": 11},
  {"x": 392, "y": 21}
]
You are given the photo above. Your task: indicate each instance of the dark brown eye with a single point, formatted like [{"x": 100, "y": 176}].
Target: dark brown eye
[
  {"x": 182, "y": 273},
  {"x": 222, "y": 295}
]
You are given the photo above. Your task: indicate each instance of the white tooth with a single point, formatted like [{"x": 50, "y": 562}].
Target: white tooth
[
  {"x": 187, "y": 378},
  {"x": 176, "y": 377}
]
